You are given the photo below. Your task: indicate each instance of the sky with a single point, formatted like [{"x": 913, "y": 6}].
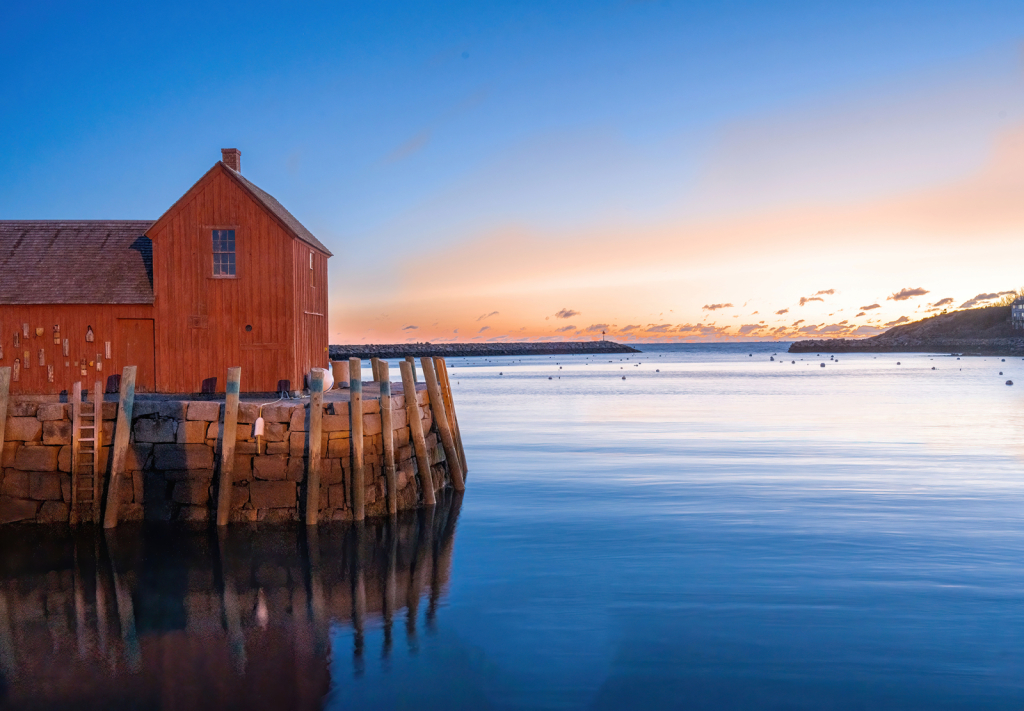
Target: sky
[{"x": 651, "y": 170}]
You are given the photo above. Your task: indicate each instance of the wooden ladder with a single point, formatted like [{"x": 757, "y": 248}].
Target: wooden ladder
[{"x": 86, "y": 447}]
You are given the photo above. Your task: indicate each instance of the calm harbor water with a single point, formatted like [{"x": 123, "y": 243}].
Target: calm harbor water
[{"x": 716, "y": 531}]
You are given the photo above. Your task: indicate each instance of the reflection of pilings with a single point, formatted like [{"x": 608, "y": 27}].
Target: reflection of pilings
[
  {"x": 8, "y": 661},
  {"x": 317, "y": 604},
  {"x": 390, "y": 583},
  {"x": 79, "y": 593},
  {"x": 125, "y": 609},
  {"x": 101, "y": 601},
  {"x": 424, "y": 538},
  {"x": 229, "y": 603},
  {"x": 358, "y": 596},
  {"x": 443, "y": 551}
]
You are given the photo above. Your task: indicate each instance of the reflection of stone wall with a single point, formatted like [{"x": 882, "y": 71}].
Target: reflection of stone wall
[
  {"x": 172, "y": 618},
  {"x": 174, "y": 458}
]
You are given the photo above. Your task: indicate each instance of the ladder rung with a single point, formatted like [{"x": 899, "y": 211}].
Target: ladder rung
[{"x": 86, "y": 439}]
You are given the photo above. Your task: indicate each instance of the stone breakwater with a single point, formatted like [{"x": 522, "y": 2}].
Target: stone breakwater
[
  {"x": 966, "y": 346},
  {"x": 173, "y": 460},
  {"x": 459, "y": 350}
]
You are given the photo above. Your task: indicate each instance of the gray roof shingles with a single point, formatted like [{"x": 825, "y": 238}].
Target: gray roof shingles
[{"x": 75, "y": 262}]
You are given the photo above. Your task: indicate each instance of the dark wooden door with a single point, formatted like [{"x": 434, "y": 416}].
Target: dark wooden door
[{"x": 135, "y": 347}]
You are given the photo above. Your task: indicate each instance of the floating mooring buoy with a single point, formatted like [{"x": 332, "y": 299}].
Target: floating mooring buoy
[
  {"x": 1009, "y": 382},
  {"x": 822, "y": 365}
]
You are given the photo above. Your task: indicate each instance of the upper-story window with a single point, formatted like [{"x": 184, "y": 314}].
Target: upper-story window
[{"x": 224, "y": 253}]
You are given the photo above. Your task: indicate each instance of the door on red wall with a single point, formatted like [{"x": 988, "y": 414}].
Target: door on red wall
[{"x": 135, "y": 347}]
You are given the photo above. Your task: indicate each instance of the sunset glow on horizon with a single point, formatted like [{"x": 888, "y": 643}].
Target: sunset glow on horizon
[{"x": 657, "y": 171}]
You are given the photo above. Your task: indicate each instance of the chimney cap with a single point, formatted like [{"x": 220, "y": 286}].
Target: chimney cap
[{"x": 232, "y": 158}]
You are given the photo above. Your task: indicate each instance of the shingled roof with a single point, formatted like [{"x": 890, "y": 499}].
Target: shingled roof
[
  {"x": 278, "y": 210},
  {"x": 75, "y": 262}
]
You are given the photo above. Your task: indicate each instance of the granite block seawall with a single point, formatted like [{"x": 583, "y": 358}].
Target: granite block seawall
[{"x": 173, "y": 459}]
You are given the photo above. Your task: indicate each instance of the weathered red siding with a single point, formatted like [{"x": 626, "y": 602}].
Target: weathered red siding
[
  {"x": 201, "y": 319},
  {"x": 74, "y": 321},
  {"x": 310, "y": 307}
]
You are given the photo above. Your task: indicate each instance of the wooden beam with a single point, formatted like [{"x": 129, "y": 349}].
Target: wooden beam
[
  {"x": 97, "y": 473},
  {"x": 355, "y": 367},
  {"x": 227, "y": 445},
  {"x": 122, "y": 431},
  {"x": 76, "y": 447},
  {"x": 5, "y": 395},
  {"x": 388, "y": 434},
  {"x": 412, "y": 364},
  {"x": 443, "y": 428},
  {"x": 449, "y": 403},
  {"x": 316, "y": 429},
  {"x": 412, "y": 410}
]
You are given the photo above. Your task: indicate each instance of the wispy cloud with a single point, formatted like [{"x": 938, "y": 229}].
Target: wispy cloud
[
  {"x": 781, "y": 311},
  {"x": 409, "y": 328},
  {"x": 596, "y": 327},
  {"x": 493, "y": 313},
  {"x": 982, "y": 298},
  {"x": 871, "y": 306},
  {"x": 566, "y": 328},
  {"x": 716, "y": 307},
  {"x": 485, "y": 328},
  {"x": 943, "y": 302},
  {"x": 630, "y": 327},
  {"x": 567, "y": 313},
  {"x": 897, "y": 322},
  {"x": 806, "y": 299},
  {"x": 660, "y": 328},
  {"x": 908, "y": 293}
]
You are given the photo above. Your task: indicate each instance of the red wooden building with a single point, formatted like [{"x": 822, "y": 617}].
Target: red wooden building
[{"x": 227, "y": 276}]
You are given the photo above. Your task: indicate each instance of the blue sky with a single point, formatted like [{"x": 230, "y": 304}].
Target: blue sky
[{"x": 388, "y": 126}]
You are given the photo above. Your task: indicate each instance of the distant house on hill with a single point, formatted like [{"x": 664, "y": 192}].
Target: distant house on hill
[
  {"x": 227, "y": 276},
  {"x": 1017, "y": 314}
]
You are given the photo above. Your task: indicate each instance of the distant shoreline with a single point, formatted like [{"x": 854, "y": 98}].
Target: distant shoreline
[{"x": 463, "y": 350}]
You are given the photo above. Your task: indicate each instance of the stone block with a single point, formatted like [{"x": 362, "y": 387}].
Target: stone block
[
  {"x": 214, "y": 430},
  {"x": 191, "y": 492},
  {"x": 243, "y": 432},
  {"x": 194, "y": 513},
  {"x": 371, "y": 406},
  {"x": 277, "y": 447},
  {"x": 203, "y": 411},
  {"x": 169, "y": 409},
  {"x": 64, "y": 458},
  {"x": 186, "y": 474},
  {"x": 182, "y": 456},
  {"x": 57, "y": 432},
  {"x": 12, "y": 510},
  {"x": 9, "y": 452},
  {"x": 271, "y": 468},
  {"x": 296, "y": 469},
  {"x": 53, "y": 512},
  {"x": 336, "y": 423},
  {"x": 136, "y": 457},
  {"x": 193, "y": 431},
  {"x": 275, "y": 432},
  {"x": 331, "y": 472},
  {"x": 65, "y": 486},
  {"x": 403, "y": 437},
  {"x": 49, "y": 411},
  {"x": 138, "y": 487},
  {"x": 15, "y": 483},
  {"x": 297, "y": 443},
  {"x": 272, "y": 494},
  {"x": 436, "y": 455},
  {"x": 248, "y": 412},
  {"x": 44, "y": 486},
  {"x": 239, "y": 495},
  {"x": 279, "y": 413},
  {"x": 37, "y": 458},
  {"x": 243, "y": 467},
  {"x": 243, "y": 516},
  {"x": 336, "y": 496},
  {"x": 248, "y": 447},
  {"x": 371, "y": 425},
  {"x": 110, "y": 411},
  {"x": 337, "y": 448},
  {"x": 22, "y": 409},
  {"x": 23, "y": 429},
  {"x": 299, "y": 421},
  {"x": 158, "y": 430},
  {"x": 277, "y": 515},
  {"x": 399, "y": 419},
  {"x": 132, "y": 512}
]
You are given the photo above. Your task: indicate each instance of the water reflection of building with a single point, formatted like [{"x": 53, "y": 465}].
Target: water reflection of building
[{"x": 176, "y": 619}]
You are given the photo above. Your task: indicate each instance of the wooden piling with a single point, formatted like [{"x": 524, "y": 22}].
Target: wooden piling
[
  {"x": 5, "y": 395},
  {"x": 316, "y": 419},
  {"x": 441, "y": 420},
  {"x": 122, "y": 431},
  {"x": 97, "y": 470},
  {"x": 388, "y": 435},
  {"x": 375, "y": 369},
  {"x": 449, "y": 402},
  {"x": 355, "y": 367},
  {"x": 76, "y": 447},
  {"x": 227, "y": 445},
  {"x": 339, "y": 369},
  {"x": 412, "y": 364},
  {"x": 412, "y": 409}
]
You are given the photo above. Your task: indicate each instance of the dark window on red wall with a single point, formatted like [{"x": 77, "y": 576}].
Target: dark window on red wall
[{"x": 224, "y": 253}]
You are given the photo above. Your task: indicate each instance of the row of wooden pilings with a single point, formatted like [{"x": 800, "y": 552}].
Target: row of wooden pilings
[{"x": 435, "y": 373}]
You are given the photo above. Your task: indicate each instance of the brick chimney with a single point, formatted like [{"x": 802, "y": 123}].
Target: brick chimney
[{"x": 232, "y": 158}]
